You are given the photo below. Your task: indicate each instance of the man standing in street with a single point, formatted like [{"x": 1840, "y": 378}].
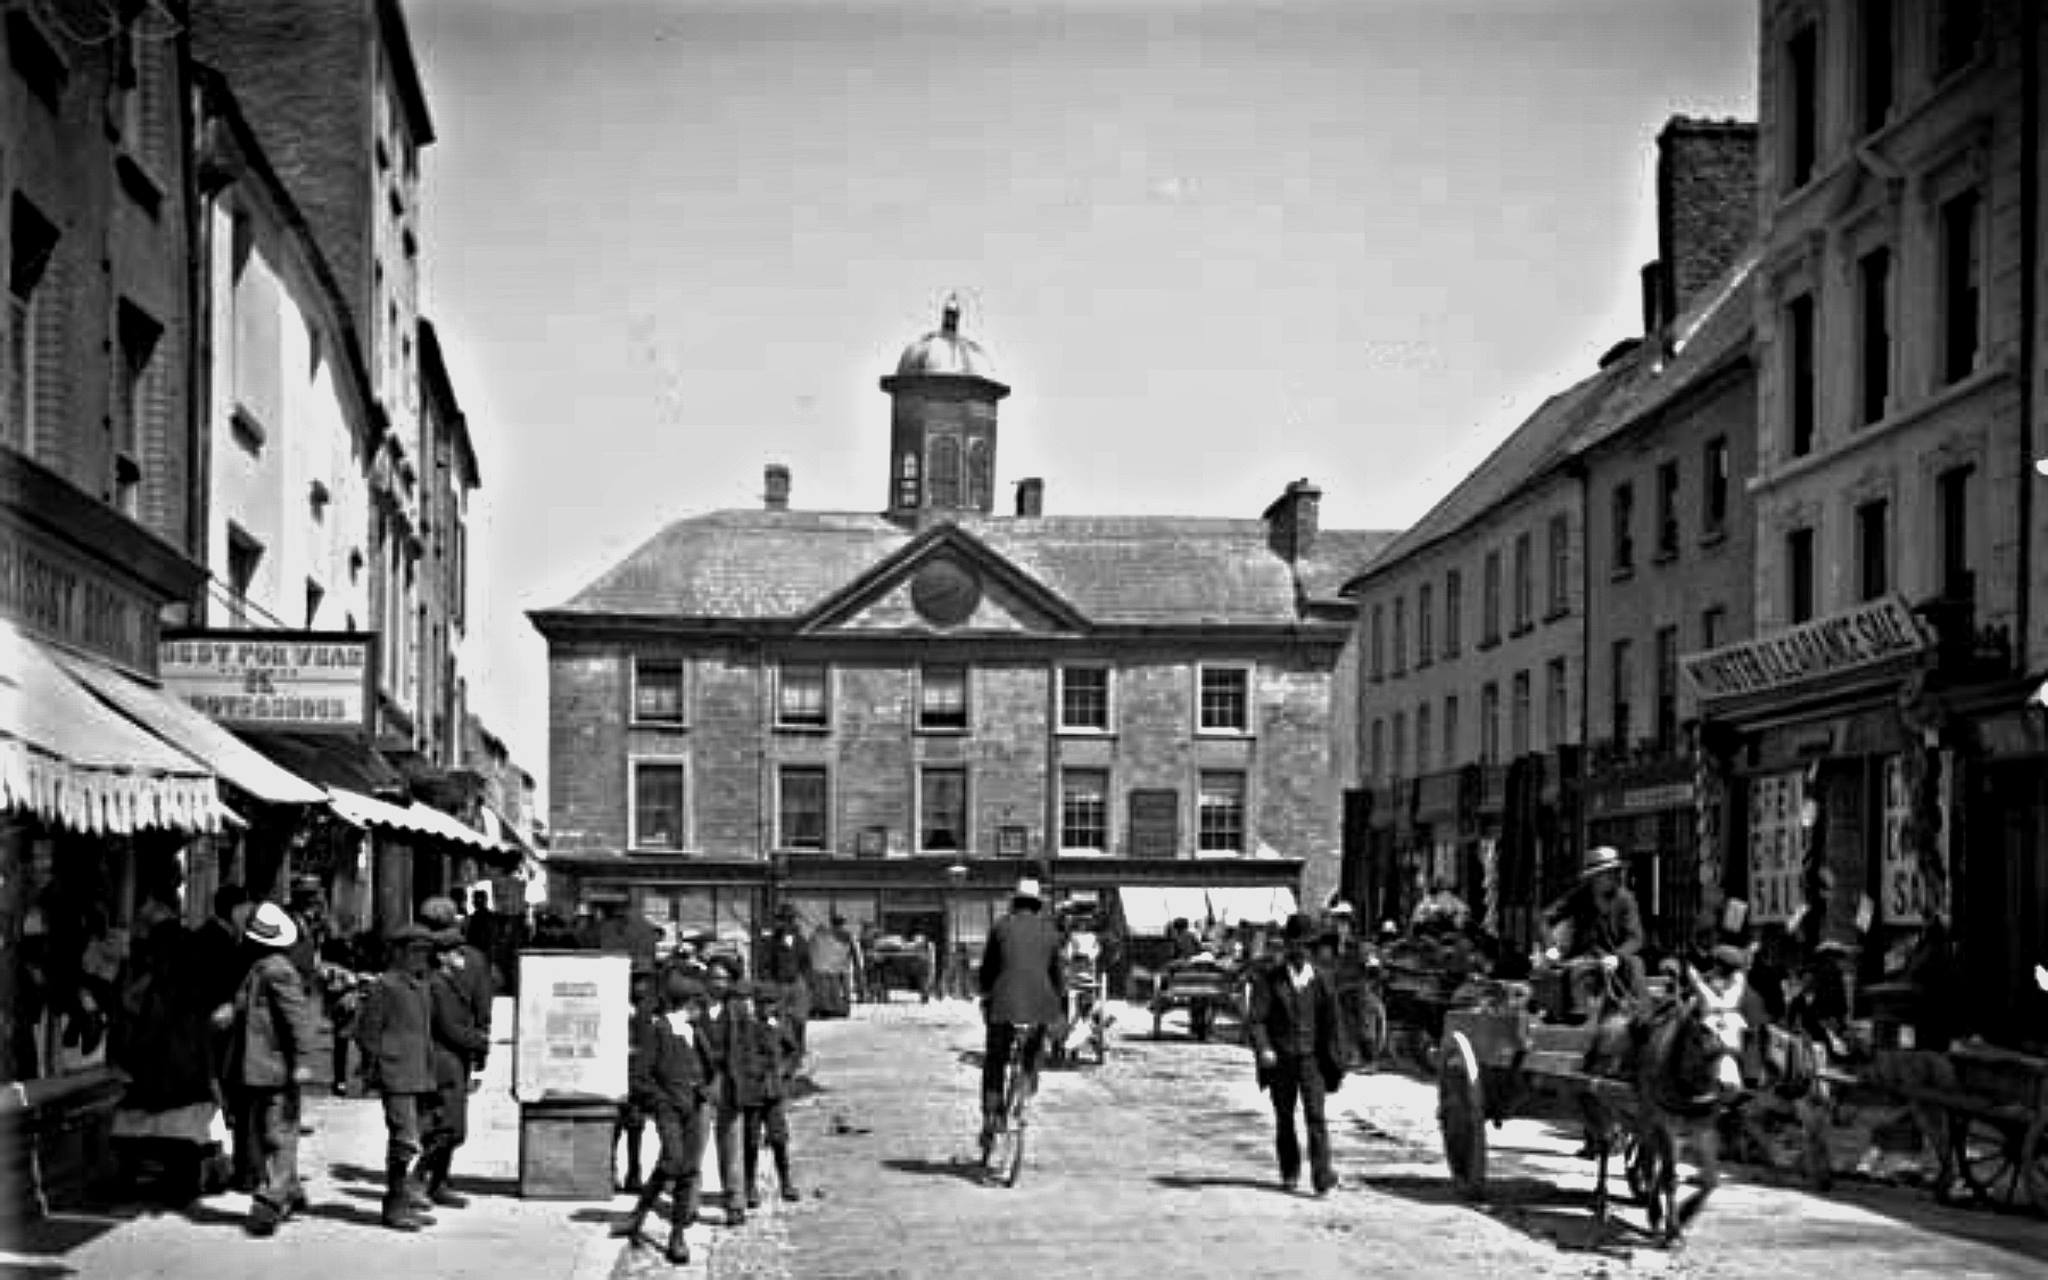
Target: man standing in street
[
  {"x": 1293, "y": 1028},
  {"x": 1023, "y": 983},
  {"x": 786, "y": 962},
  {"x": 273, "y": 1032},
  {"x": 222, "y": 957},
  {"x": 395, "y": 1033}
]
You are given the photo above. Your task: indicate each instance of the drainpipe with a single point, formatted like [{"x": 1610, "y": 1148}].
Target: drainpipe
[
  {"x": 199, "y": 316},
  {"x": 2030, "y": 260}
]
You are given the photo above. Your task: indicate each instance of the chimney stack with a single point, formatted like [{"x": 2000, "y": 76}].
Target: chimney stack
[
  {"x": 1031, "y": 498},
  {"x": 1706, "y": 205},
  {"x": 775, "y": 494},
  {"x": 1291, "y": 521}
]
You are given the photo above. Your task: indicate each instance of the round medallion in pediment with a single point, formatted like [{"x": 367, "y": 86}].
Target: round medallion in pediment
[{"x": 945, "y": 592}]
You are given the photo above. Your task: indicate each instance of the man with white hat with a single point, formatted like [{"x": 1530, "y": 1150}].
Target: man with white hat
[
  {"x": 1023, "y": 983},
  {"x": 272, "y": 1038}
]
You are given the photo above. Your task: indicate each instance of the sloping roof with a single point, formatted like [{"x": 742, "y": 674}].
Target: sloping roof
[
  {"x": 1547, "y": 437},
  {"x": 762, "y": 565},
  {"x": 1339, "y": 555},
  {"x": 1714, "y": 332}
]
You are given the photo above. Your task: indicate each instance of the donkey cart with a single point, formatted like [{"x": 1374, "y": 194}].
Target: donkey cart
[{"x": 1495, "y": 1061}]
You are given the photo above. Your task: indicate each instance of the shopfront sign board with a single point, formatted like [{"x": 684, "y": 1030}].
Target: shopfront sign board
[
  {"x": 1865, "y": 636},
  {"x": 290, "y": 681},
  {"x": 573, "y": 1028}
]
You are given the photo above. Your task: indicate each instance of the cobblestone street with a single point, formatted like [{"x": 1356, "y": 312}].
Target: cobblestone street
[{"x": 1159, "y": 1162}]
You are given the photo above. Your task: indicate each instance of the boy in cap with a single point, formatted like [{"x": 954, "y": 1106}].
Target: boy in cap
[
  {"x": 460, "y": 1040},
  {"x": 770, "y": 1069},
  {"x": 671, "y": 1080},
  {"x": 395, "y": 1033},
  {"x": 726, "y": 1019},
  {"x": 273, "y": 1034}
]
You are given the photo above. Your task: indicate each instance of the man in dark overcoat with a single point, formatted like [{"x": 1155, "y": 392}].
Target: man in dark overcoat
[
  {"x": 461, "y": 1038},
  {"x": 1292, "y": 1024},
  {"x": 273, "y": 1030},
  {"x": 786, "y": 962},
  {"x": 395, "y": 1033},
  {"x": 1023, "y": 983}
]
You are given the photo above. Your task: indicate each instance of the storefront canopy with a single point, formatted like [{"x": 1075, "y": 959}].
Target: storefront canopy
[
  {"x": 413, "y": 819},
  {"x": 194, "y": 733},
  {"x": 72, "y": 759},
  {"x": 1251, "y": 904},
  {"x": 1149, "y": 909}
]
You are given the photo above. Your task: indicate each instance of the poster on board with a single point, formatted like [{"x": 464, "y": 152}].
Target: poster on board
[{"x": 573, "y": 1026}]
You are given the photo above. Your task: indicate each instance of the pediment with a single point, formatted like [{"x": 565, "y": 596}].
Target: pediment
[{"x": 945, "y": 582}]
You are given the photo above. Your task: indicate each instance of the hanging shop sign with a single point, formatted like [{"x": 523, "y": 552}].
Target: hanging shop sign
[
  {"x": 1904, "y": 894},
  {"x": 1869, "y": 634},
  {"x": 297, "y": 681}
]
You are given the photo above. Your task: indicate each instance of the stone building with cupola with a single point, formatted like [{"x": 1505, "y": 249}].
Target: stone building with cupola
[{"x": 892, "y": 716}]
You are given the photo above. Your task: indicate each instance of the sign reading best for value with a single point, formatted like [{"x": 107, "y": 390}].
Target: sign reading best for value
[{"x": 273, "y": 680}]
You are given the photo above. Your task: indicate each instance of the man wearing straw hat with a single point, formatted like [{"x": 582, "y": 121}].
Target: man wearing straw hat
[
  {"x": 273, "y": 1033},
  {"x": 1598, "y": 919}
]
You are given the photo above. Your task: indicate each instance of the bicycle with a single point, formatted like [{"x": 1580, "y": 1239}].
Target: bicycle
[{"x": 1002, "y": 1151}]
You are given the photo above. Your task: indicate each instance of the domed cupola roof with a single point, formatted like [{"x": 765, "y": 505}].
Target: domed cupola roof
[{"x": 945, "y": 353}]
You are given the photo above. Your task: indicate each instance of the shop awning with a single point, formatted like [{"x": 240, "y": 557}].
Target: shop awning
[
  {"x": 1251, "y": 904},
  {"x": 1149, "y": 909},
  {"x": 72, "y": 759},
  {"x": 194, "y": 733},
  {"x": 413, "y": 818}
]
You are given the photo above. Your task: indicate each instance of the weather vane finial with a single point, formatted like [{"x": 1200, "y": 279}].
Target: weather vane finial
[{"x": 949, "y": 318}]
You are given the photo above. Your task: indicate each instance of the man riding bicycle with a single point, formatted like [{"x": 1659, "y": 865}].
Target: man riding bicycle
[{"x": 1023, "y": 984}]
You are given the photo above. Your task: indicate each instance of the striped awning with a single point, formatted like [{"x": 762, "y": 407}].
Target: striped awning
[
  {"x": 413, "y": 818},
  {"x": 193, "y": 732},
  {"x": 75, "y": 761}
]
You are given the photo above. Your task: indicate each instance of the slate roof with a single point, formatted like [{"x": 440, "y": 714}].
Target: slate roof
[
  {"x": 1716, "y": 331},
  {"x": 1546, "y": 438},
  {"x": 761, "y": 565}
]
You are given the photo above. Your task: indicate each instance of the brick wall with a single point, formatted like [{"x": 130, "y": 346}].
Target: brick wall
[
  {"x": 1706, "y": 204},
  {"x": 874, "y": 752},
  {"x": 120, "y": 239}
]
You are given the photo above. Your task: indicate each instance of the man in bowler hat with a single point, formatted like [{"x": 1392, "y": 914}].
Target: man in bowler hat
[{"x": 1293, "y": 1029}]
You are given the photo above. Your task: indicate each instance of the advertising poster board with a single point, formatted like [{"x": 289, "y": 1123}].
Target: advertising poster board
[{"x": 571, "y": 1036}]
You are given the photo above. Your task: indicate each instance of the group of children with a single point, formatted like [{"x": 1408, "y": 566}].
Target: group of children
[{"x": 713, "y": 1060}]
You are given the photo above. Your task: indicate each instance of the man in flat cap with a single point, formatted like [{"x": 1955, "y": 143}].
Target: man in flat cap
[
  {"x": 672, "y": 1081},
  {"x": 460, "y": 1040}
]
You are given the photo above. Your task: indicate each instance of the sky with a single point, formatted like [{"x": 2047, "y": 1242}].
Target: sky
[{"x": 1212, "y": 248}]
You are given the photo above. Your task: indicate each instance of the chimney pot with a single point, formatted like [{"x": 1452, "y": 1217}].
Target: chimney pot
[
  {"x": 1291, "y": 521},
  {"x": 1031, "y": 498},
  {"x": 775, "y": 492}
]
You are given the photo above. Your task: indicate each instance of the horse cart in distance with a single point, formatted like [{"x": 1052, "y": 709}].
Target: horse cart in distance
[
  {"x": 1202, "y": 986},
  {"x": 1497, "y": 1058}
]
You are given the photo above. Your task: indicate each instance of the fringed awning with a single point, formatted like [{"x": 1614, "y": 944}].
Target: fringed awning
[{"x": 71, "y": 760}]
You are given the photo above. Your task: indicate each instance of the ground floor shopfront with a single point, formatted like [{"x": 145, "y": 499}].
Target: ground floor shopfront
[
  {"x": 951, "y": 902},
  {"x": 1900, "y": 788},
  {"x": 1647, "y": 811},
  {"x": 1500, "y": 836}
]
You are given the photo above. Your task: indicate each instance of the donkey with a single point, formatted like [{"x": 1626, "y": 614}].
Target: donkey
[{"x": 1680, "y": 1095}]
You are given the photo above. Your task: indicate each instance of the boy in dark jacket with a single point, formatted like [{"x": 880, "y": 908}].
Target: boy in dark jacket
[
  {"x": 671, "y": 1080},
  {"x": 395, "y": 1033},
  {"x": 461, "y": 1039},
  {"x": 725, "y": 1020},
  {"x": 770, "y": 1069}
]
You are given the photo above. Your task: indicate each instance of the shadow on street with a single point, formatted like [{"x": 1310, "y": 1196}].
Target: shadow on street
[
  {"x": 957, "y": 1167},
  {"x": 1196, "y": 1182}
]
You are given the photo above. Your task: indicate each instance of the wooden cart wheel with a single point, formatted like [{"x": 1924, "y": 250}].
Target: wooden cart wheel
[
  {"x": 1461, "y": 1115},
  {"x": 2034, "y": 1163},
  {"x": 1987, "y": 1155}
]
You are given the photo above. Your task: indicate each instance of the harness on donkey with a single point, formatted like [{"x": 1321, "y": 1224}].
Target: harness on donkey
[{"x": 1665, "y": 1048}]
